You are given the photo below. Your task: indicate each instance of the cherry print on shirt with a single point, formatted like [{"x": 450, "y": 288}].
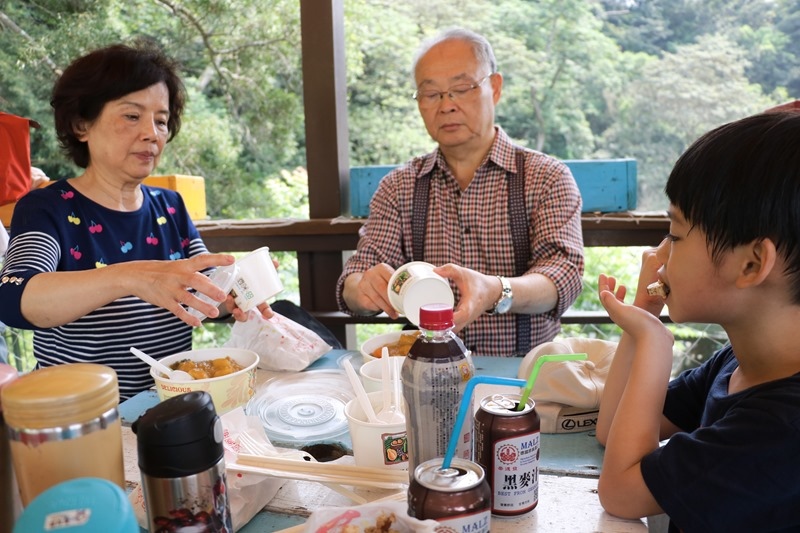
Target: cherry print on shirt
[
  {"x": 155, "y": 192},
  {"x": 75, "y": 252},
  {"x": 100, "y": 263},
  {"x": 125, "y": 247},
  {"x": 152, "y": 239},
  {"x": 161, "y": 220},
  {"x": 185, "y": 242},
  {"x": 75, "y": 220},
  {"x": 175, "y": 255},
  {"x": 171, "y": 210},
  {"x": 95, "y": 228},
  {"x": 66, "y": 195}
]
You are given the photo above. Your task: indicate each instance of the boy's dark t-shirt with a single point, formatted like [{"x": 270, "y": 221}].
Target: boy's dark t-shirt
[{"x": 736, "y": 466}]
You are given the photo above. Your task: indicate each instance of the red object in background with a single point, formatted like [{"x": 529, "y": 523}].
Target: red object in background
[{"x": 15, "y": 157}]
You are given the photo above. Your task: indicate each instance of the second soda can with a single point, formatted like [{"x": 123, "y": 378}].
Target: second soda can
[
  {"x": 507, "y": 447},
  {"x": 457, "y": 497}
]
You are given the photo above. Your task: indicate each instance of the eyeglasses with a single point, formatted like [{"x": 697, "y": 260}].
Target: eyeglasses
[{"x": 429, "y": 99}]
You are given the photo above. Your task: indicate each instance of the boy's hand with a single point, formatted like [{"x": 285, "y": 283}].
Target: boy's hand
[{"x": 637, "y": 322}]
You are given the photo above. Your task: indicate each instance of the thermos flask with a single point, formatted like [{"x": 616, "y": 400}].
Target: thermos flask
[{"x": 181, "y": 458}]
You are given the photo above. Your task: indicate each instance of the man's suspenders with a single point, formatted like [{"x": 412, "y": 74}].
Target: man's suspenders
[{"x": 518, "y": 221}]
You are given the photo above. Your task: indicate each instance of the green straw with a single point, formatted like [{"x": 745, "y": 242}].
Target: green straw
[{"x": 526, "y": 392}]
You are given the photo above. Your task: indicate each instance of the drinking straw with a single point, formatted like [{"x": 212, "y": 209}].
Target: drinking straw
[
  {"x": 526, "y": 392},
  {"x": 466, "y": 402}
]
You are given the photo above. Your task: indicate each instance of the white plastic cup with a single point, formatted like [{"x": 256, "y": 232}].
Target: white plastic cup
[
  {"x": 371, "y": 375},
  {"x": 223, "y": 277},
  {"x": 376, "y": 445},
  {"x": 416, "y": 284},
  {"x": 256, "y": 280}
]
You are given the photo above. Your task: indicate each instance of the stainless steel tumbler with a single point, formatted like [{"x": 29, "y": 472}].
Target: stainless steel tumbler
[{"x": 181, "y": 458}]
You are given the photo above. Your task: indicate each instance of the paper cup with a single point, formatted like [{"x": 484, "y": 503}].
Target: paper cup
[
  {"x": 376, "y": 445},
  {"x": 256, "y": 281},
  {"x": 414, "y": 285}
]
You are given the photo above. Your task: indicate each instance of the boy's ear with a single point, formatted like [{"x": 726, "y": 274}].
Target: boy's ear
[{"x": 758, "y": 260}]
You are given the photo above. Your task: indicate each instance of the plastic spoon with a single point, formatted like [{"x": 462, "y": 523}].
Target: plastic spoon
[
  {"x": 361, "y": 394},
  {"x": 176, "y": 375},
  {"x": 390, "y": 412}
]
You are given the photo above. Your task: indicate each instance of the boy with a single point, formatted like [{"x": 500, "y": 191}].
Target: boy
[{"x": 732, "y": 257}]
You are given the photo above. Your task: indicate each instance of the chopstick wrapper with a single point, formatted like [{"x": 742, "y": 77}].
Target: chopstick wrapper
[{"x": 248, "y": 493}]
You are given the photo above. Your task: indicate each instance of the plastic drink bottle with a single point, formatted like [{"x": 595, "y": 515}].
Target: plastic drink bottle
[{"x": 435, "y": 375}]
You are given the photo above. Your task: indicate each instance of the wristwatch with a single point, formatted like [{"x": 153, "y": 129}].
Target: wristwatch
[{"x": 503, "y": 304}]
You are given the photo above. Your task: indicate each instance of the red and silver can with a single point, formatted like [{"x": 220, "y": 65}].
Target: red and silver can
[
  {"x": 507, "y": 447},
  {"x": 458, "y": 497}
]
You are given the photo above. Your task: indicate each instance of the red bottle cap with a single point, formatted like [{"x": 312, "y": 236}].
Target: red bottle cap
[{"x": 436, "y": 316}]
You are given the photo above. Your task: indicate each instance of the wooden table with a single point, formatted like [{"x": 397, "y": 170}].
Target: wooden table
[{"x": 569, "y": 469}]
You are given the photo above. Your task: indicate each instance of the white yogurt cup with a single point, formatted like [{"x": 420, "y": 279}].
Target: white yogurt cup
[
  {"x": 256, "y": 280},
  {"x": 416, "y": 284}
]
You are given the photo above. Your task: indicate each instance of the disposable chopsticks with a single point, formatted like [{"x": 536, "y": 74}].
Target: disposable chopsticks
[
  {"x": 324, "y": 472},
  {"x": 324, "y": 468}
]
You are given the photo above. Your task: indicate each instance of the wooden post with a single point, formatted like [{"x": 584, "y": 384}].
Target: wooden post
[{"x": 327, "y": 143}]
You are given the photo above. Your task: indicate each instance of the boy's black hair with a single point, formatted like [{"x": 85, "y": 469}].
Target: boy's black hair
[
  {"x": 741, "y": 182},
  {"x": 107, "y": 74}
]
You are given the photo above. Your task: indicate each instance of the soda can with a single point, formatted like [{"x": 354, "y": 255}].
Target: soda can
[
  {"x": 458, "y": 497},
  {"x": 507, "y": 447}
]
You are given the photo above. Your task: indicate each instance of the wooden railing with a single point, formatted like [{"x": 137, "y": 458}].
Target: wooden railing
[{"x": 319, "y": 244}]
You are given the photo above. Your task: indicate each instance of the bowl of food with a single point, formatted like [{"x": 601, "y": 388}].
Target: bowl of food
[
  {"x": 227, "y": 374},
  {"x": 397, "y": 342}
]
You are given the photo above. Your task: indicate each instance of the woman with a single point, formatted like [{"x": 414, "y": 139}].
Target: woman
[{"x": 99, "y": 263}]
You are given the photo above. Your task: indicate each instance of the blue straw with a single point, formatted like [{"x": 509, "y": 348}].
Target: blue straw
[{"x": 466, "y": 403}]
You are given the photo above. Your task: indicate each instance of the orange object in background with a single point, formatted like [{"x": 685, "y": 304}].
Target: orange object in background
[{"x": 191, "y": 188}]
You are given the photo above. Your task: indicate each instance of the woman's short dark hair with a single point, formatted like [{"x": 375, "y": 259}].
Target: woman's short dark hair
[
  {"x": 107, "y": 74},
  {"x": 741, "y": 182}
]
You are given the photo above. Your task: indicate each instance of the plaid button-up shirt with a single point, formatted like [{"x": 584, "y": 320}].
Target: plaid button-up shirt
[{"x": 471, "y": 228}]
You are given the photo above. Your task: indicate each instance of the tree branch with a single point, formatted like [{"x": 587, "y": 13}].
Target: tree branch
[{"x": 6, "y": 22}]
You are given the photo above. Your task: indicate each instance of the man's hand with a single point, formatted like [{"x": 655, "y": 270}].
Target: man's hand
[
  {"x": 366, "y": 292},
  {"x": 478, "y": 292}
]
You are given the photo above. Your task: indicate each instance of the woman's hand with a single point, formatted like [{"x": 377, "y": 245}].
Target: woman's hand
[{"x": 168, "y": 284}]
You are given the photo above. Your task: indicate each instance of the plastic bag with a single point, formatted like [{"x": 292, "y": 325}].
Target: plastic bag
[{"x": 281, "y": 344}]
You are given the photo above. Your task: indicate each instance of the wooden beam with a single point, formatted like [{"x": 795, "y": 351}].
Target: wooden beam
[{"x": 327, "y": 145}]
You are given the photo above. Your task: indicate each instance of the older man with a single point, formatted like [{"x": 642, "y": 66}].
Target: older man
[{"x": 501, "y": 222}]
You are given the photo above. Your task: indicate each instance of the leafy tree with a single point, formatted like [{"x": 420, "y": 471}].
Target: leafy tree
[{"x": 675, "y": 100}]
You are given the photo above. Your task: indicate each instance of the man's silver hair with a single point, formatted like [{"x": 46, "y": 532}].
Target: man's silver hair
[{"x": 480, "y": 46}]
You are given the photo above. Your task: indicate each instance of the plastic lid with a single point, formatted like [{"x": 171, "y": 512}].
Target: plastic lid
[
  {"x": 436, "y": 316},
  {"x": 64, "y": 394},
  {"x": 223, "y": 277},
  {"x": 303, "y": 408},
  {"x": 82, "y": 505},
  {"x": 7, "y": 374},
  {"x": 179, "y": 437}
]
